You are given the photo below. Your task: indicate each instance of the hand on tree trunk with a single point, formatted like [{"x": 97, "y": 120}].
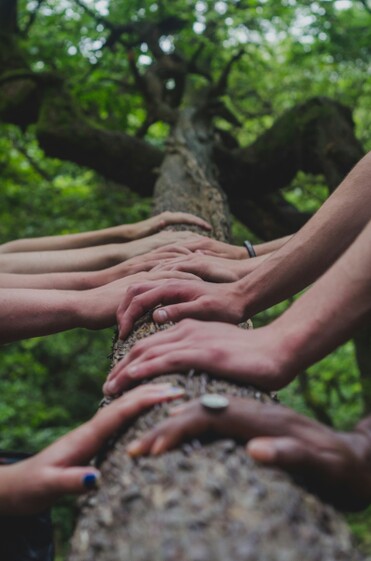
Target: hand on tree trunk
[
  {"x": 33, "y": 485},
  {"x": 334, "y": 464}
]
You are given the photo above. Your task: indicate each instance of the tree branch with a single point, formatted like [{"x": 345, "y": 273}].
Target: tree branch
[
  {"x": 31, "y": 20},
  {"x": 33, "y": 163},
  {"x": 222, "y": 84},
  {"x": 315, "y": 137}
]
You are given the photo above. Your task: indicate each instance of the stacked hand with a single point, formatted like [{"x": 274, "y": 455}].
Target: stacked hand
[
  {"x": 248, "y": 357},
  {"x": 335, "y": 464}
]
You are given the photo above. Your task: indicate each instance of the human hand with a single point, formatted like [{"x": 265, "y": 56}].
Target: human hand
[
  {"x": 164, "y": 238},
  {"x": 97, "y": 307},
  {"x": 160, "y": 221},
  {"x": 207, "y": 267},
  {"x": 215, "y": 248},
  {"x": 140, "y": 263},
  {"x": 188, "y": 299},
  {"x": 334, "y": 464},
  {"x": 254, "y": 357},
  {"x": 33, "y": 485}
]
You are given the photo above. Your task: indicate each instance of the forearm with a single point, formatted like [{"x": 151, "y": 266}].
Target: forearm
[
  {"x": 33, "y": 312},
  {"x": 115, "y": 234},
  {"x": 60, "y": 281},
  {"x": 316, "y": 246},
  {"x": 273, "y": 245},
  {"x": 330, "y": 311},
  {"x": 69, "y": 260}
]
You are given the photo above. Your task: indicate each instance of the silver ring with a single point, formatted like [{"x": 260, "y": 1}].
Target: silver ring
[{"x": 214, "y": 402}]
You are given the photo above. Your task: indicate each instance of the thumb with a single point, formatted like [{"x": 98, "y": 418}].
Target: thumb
[
  {"x": 286, "y": 452},
  {"x": 176, "y": 312},
  {"x": 75, "y": 480}
]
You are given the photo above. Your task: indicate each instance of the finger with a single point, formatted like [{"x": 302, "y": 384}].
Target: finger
[
  {"x": 287, "y": 452},
  {"x": 175, "y": 362},
  {"x": 171, "y": 432},
  {"x": 169, "y": 275},
  {"x": 80, "y": 445},
  {"x": 146, "y": 297},
  {"x": 137, "y": 301},
  {"x": 176, "y": 312},
  {"x": 174, "y": 248},
  {"x": 185, "y": 218},
  {"x": 171, "y": 335},
  {"x": 73, "y": 480}
]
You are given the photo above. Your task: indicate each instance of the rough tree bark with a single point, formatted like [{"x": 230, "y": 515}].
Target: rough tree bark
[
  {"x": 201, "y": 502},
  {"x": 207, "y": 501}
]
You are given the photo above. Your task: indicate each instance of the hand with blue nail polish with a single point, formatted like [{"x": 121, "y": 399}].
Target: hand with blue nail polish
[{"x": 32, "y": 485}]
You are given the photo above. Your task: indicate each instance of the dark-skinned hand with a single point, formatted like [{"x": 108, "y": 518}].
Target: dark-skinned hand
[{"x": 334, "y": 464}]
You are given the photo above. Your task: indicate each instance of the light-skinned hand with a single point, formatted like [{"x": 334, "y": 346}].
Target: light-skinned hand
[{"x": 33, "y": 485}]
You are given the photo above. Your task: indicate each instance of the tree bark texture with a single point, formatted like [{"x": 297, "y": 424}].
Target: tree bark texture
[{"x": 206, "y": 501}]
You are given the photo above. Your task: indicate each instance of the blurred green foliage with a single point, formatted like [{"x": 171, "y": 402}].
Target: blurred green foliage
[{"x": 292, "y": 51}]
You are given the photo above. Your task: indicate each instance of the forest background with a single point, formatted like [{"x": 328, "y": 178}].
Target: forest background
[{"x": 288, "y": 52}]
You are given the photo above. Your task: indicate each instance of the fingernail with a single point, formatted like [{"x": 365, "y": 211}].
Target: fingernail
[
  {"x": 132, "y": 370},
  {"x": 158, "y": 446},
  {"x": 91, "y": 480},
  {"x": 134, "y": 448},
  {"x": 110, "y": 387},
  {"x": 261, "y": 451},
  {"x": 161, "y": 315},
  {"x": 173, "y": 390}
]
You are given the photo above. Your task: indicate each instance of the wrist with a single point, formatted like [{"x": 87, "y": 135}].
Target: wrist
[
  {"x": 128, "y": 232},
  {"x": 96, "y": 308},
  {"x": 86, "y": 304},
  {"x": 249, "y": 294},
  {"x": 280, "y": 356}
]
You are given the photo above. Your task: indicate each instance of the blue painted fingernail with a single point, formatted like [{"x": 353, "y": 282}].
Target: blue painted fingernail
[{"x": 90, "y": 481}]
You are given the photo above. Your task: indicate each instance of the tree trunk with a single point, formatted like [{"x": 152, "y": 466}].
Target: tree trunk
[{"x": 209, "y": 501}]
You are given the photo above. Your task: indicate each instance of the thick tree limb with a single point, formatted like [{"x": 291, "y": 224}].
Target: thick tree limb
[
  {"x": 62, "y": 129},
  {"x": 207, "y": 501},
  {"x": 63, "y": 132},
  {"x": 316, "y": 137}
]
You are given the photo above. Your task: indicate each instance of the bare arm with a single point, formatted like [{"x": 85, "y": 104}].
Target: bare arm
[
  {"x": 300, "y": 261},
  {"x": 90, "y": 258},
  {"x": 316, "y": 246},
  {"x": 267, "y": 247},
  {"x": 33, "y": 312},
  {"x": 84, "y": 280},
  {"x": 116, "y": 234},
  {"x": 271, "y": 356}
]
